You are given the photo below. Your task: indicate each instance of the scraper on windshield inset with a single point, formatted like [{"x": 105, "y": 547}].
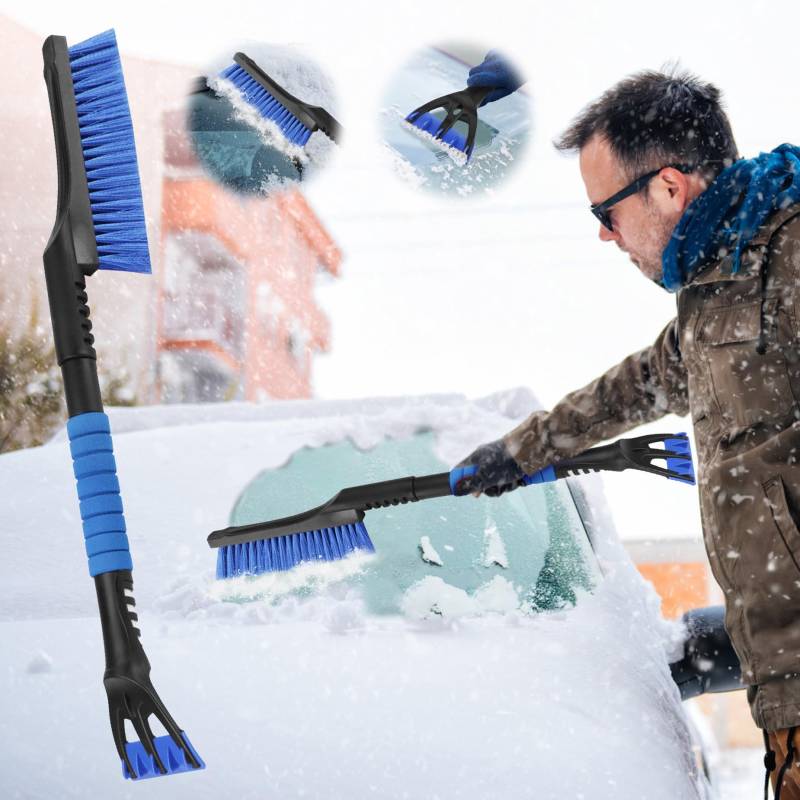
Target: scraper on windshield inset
[
  {"x": 336, "y": 529},
  {"x": 454, "y": 125}
]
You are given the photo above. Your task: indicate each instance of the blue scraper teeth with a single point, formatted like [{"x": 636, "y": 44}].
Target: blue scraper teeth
[
  {"x": 430, "y": 124},
  {"x": 171, "y": 754}
]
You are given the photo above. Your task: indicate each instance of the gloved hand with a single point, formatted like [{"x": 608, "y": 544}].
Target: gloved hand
[
  {"x": 497, "y": 471},
  {"x": 495, "y": 71}
]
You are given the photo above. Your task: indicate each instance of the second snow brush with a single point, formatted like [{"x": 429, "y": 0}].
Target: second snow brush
[
  {"x": 295, "y": 119},
  {"x": 335, "y": 529},
  {"x": 100, "y": 223}
]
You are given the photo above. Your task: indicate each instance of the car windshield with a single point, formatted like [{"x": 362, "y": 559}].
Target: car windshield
[
  {"x": 502, "y": 126},
  {"x": 527, "y": 550},
  {"x": 230, "y": 149}
]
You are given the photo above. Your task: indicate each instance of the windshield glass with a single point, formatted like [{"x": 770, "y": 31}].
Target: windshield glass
[
  {"x": 526, "y": 550},
  {"x": 233, "y": 152}
]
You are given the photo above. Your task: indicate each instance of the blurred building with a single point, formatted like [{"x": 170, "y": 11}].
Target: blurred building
[
  {"x": 237, "y": 317},
  {"x": 229, "y": 310}
]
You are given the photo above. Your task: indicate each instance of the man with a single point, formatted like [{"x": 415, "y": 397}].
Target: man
[{"x": 662, "y": 173}]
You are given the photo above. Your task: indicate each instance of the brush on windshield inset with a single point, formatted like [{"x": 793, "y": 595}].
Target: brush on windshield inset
[
  {"x": 100, "y": 224},
  {"x": 295, "y": 119},
  {"x": 457, "y": 107},
  {"x": 336, "y": 528}
]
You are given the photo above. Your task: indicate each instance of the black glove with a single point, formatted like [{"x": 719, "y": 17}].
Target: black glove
[{"x": 497, "y": 472}]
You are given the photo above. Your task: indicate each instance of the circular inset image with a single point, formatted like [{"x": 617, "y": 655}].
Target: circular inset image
[
  {"x": 456, "y": 118},
  {"x": 262, "y": 118}
]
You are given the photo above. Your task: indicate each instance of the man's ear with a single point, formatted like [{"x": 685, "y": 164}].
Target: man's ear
[{"x": 677, "y": 184}]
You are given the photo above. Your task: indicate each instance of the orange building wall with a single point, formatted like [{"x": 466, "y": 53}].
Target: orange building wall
[
  {"x": 283, "y": 246},
  {"x": 681, "y": 586}
]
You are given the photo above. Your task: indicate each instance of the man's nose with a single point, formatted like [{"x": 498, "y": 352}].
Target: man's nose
[{"x": 606, "y": 235}]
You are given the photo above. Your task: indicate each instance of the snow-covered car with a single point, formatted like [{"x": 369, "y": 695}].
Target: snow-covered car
[{"x": 490, "y": 648}]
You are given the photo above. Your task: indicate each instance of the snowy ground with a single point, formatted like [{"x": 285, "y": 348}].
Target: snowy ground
[{"x": 316, "y": 698}]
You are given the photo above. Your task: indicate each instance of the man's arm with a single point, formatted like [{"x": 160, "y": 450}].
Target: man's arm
[{"x": 643, "y": 387}]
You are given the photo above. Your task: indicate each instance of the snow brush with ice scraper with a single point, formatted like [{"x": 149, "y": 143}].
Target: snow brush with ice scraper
[
  {"x": 336, "y": 529},
  {"x": 295, "y": 119},
  {"x": 100, "y": 223},
  {"x": 457, "y": 107}
]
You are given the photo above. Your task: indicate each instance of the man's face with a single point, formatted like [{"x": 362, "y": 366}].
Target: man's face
[{"x": 644, "y": 221}]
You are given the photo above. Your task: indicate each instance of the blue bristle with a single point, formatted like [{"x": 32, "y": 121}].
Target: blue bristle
[
  {"x": 430, "y": 124},
  {"x": 268, "y": 106},
  {"x": 285, "y": 552},
  {"x": 109, "y": 154}
]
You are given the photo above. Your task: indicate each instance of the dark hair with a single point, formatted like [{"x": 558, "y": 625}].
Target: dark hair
[{"x": 652, "y": 119}]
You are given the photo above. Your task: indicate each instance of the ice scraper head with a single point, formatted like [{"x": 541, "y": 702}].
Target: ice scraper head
[
  {"x": 680, "y": 462},
  {"x": 458, "y": 107},
  {"x": 676, "y": 453}
]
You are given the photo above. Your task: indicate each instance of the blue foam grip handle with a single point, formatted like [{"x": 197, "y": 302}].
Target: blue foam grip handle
[
  {"x": 98, "y": 492},
  {"x": 459, "y": 473},
  {"x": 545, "y": 475},
  {"x": 172, "y": 757}
]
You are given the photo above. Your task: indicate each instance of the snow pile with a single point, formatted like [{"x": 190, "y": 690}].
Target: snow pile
[
  {"x": 319, "y": 149},
  {"x": 433, "y": 597},
  {"x": 311, "y": 577},
  {"x": 428, "y": 551},
  {"x": 478, "y": 173},
  {"x": 39, "y": 664},
  {"x": 402, "y": 167},
  {"x": 495, "y": 549}
]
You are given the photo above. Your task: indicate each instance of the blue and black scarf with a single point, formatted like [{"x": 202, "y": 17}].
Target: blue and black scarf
[{"x": 726, "y": 216}]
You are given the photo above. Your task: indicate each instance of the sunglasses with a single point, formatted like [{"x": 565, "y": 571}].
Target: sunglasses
[{"x": 601, "y": 210}]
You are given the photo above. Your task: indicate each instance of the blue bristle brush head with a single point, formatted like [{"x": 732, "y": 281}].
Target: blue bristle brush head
[
  {"x": 109, "y": 154},
  {"x": 282, "y": 553},
  {"x": 267, "y": 105}
]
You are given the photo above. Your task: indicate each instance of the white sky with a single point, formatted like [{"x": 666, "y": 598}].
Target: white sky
[{"x": 446, "y": 294}]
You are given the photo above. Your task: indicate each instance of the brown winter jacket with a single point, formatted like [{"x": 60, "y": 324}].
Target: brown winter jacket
[{"x": 745, "y": 409}]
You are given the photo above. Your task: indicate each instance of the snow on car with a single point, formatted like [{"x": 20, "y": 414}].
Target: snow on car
[{"x": 489, "y": 648}]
